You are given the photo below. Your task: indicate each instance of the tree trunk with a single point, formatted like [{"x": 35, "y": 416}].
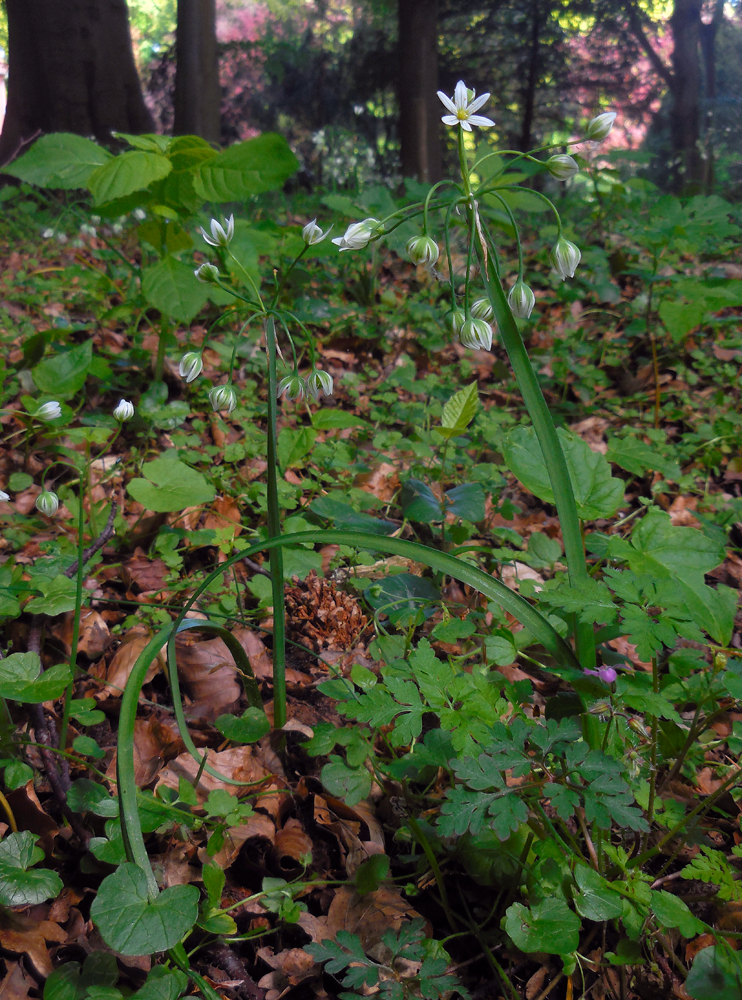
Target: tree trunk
[
  {"x": 419, "y": 108},
  {"x": 529, "y": 92},
  {"x": 197, "y": 91},
  {"x": 70, "y": 69},
  {"x": 685, "y": 117},
  {"x": 708, "y": 32}
]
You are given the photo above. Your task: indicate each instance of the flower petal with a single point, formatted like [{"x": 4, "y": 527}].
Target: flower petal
[
  {"x": 478, "y": 102},
  {"x": 466, "y": 126},
  {"x": 461, "y": 95},
  {"x": 481, "y": 121},
  {"x": 450, "y": 120},
  {"x": 446, "y": 102}
]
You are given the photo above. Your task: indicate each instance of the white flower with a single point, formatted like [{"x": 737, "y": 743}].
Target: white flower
[
  {"x": 4, "y": 497},
  {"x": 220, "y": 237},
  {"x": 47, "y": 502},
  {"x": 191, "y": 365},
  {"x": 139, "y": 214},
  {"x": 521, "y": 300},
  {"x": 562, "y": 166},
  {"x": 476, "y": 334},
  {"x": 423, "y": 250},
  {"x": 61, "y": 237},
  {"x": 124, "y": 410},
  {"x": 565, "y": 257},
  {"x": 319, "y": 383},
  {"x": 482, "y": 309},
  {"x": 293, "y": 386},
  {"x": 357, "y": 235},
  {"x": 49, "y": 411},
  {"x": 47, "y": 234},
  {"x": 208, "y": 273},
  {"x": 599, "y": 128},
  {"x": 223, "y": 397},
  {"x": 462, "y": 108},
  {"x": 311, "y": 233},
  {"x": 455, "y": 320}
]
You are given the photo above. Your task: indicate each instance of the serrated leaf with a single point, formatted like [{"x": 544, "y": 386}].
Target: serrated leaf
[
  {"x": 131, "y": 923},
  {"x": 348, "y": 783},
  {"x": 662, "y": 550},
  {"x": 59, "y": 160},
  {"x": 173, "y": 288},
  {"x": 21, "y": 679},
  {"x": 126, "y": 173},
  {"x": 548, "y": 926},
  {"x": 170, "y": 485},
  {"x": 459, "y": 411},
  {"x": 64, "y": 374},
  {"x": 247, "y": 168},
  {"x": 597, "y": 493}
]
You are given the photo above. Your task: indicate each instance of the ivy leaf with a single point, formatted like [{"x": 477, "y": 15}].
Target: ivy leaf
[
  {"x": 170, "y": 485},
  {"x": 548, "y": 926},
  {"x": 404, "y": 598},
  {"x": 162, "y": 984},
  {"x": 18, "y": 886},
  {"x": 88, "y": 796},
  {"x": 21, "y": 679},
  {"x": 70, "y": 982},
  {"x": 131, "y": 923}
]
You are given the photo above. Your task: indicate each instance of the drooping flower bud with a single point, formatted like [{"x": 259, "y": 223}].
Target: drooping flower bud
[
  {"x": 565, "y": 257},
  {"x": 221, "y": 236},
  {"x": 423, "y": 250},
  {"x": 49, "y": 411},
  {"x": 124, "y": 410},
  {"x": 311, "y": 233},
  {"x": 208, "y": 273},
  {"x": 357, "y": 235},
  {"x": 455, "y": 320},
  {"x": 223, "y": 397},
  {"x": 482, "y": 309},
  {"x": 4, "y": 497},
  {"x": 319, "y": 383},
  {"x": 599, "y": 128},
  {"x": 562, "y": 166},
  {"x": 293, "y": 386},
  {"x": 476, "y": 334},
  {"x": 47, "y": 502},
  {"x": 191, "y": 365},
  {"x": 521, "y": 300}
]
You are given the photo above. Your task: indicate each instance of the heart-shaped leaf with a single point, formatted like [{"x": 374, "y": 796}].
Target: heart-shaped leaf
[
  {"x": 170, "y": 485},
  {"x": 18, "y": 886},
  {"x": 21, "y": 679}
]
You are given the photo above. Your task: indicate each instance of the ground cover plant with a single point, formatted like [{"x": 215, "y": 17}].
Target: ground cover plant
[{"x": 369, "y": 597}]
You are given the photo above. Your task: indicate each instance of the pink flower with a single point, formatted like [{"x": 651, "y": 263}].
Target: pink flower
[{"x": 607, "y": 674}]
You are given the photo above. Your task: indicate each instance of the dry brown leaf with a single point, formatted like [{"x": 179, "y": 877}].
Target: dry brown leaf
[
  {"x": 290, "y": 967},
  {"x": 144, "y": 573},
  {"x": 592, "y": 431},
  {"x": 23, "y": 935},
  {"x": 17, "y": 983},
  {"x": 256, "y": 827},
  {"x": 207, "y": 672},
  {"x": 154, "y": 743},
  {"x": 94, "y": 637},
  {"x": 116, "y": 674},
  {"x": 383, "y": 482},
  {"x": 368, "y": 916},
  {"x": 257, "y": 653},
  {"x": 290, "y": 846},
  {"x": 30, "y": 815},
  {"x": 237, "y": 763},
  {"x": 628, "y": 649},
  {"x": 513, "y": 573},
  {"x": 706, "y": 783},
  {"x": 681, "y": 512}
]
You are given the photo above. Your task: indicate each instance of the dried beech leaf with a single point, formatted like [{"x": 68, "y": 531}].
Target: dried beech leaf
[
  {"x": 95, "y": 636},
  {"x": 117, "y": 673},
  {"x": 237, "y": 763},
  {"x": 24, "y": 936}
]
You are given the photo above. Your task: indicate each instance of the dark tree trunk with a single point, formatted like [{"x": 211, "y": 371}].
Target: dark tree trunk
[
  {"x": 197, "y": 92},
  {"x": 70, "y": 69},
  {"x": 708, "y": 32},
  {"x": 685, "y": 117},
  {"x": 529, "y": 91},
  {"x": 419, "y": 108}
]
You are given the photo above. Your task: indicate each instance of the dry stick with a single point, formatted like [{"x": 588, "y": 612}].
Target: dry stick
[{"x": 100, "y": 541}]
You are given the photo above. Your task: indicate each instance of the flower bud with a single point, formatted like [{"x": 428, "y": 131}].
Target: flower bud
[
  {"x": 4, "y": 497},
  {"x": 423, "y": 250},
  {"x": 521, "y": 300},
  {"x": 319, "y": 383},
  {"x": 600, "y": 708},
  {"x": 599, "y": 128},
  {"x": 357, "y": 235},
  {"x": 562, "y": 166},
  {"x": 49, "y": 411},
  {"x": 476, "y": 334},
  {"x": 139, "y": 214},
  {"x": 47, "y": 502},
  {"x": 191, "y": 365},
  {"x": 311, "y": 233},
  {"x": 223, "y": 397},
  {"x": 221, "y": 236},
  {"x": 482, "y": 309},
  {"x": 638, "y": 727},
  {"x": 47, "y": 234},
  {"x": 455, "y": 320},
  {"x": 565, "y": 257},
  {"x": 293, "y": 386},
  {"x": 124, "y": 410},
  {"x": 208, "y": 273}
]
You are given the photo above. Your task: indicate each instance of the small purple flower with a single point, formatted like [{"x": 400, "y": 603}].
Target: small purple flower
[{"x": 607, "y": 674}]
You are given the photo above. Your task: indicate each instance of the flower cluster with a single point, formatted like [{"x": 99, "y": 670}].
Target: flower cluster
[{"x": 316, "y": 384}]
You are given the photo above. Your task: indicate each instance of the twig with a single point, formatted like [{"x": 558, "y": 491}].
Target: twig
[
  {"x": 256, "y": 567},
  {"x": 100, "y": 541}
]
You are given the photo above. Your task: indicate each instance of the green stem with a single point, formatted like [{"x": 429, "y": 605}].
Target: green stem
[
  {"x": 274, "y": 531},
  {"x": 161, "y": 346},
  {"x": 75, "y": 623},
  {"x": 435, "y": 867}
]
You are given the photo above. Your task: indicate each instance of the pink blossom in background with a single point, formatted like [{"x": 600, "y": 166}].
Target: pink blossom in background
[{"x": 240, "y": 24}]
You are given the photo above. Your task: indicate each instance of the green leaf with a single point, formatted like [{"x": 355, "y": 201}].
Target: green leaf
[
  {"x": 59, "y": 160},
  {"x": 248, "y": 728},
  {"x": 671, "y": 911},
  {"x": 597, "y": 493},
  {"x": 716, "y": 975},
  {"x": 403, "y": 597},
  {"x": 419, "y": 502},
  {"x": 85, "y": 795},
  {"x": 596, "y": 900},
  {"x": 173, "y": 288},
  {"x": 636, "y": 457},
  {"x": 60, "y": 596},
  {"x": 348, "y": 783},
  {"x": 18, "y": 886},
  {"x": 500, "y": 650},
  {"x": 336, "y": 419},
  {"x": 69, "y": 982},
  {"x": 459, "y": 411},
  {"x": 87, "y": 746},
  {"x": 131, "y": 923},
  {"x": 466, "y": 501},
  {"x": 162, "y": 984},
  {"x": 126, "y": 173},
  {"x": 17, "y": 774},
  {"x": 371, "y": 874},
  {"x": 214, "y": 881},
  {"x": 22, "y": 680},
  {"x": 247, "y": 168},
  {"x": 294, "y": 444},
  {"x": 343, "y": 515},
  {"x": 455, "y": 629},
  {"x": 712, "y": 609},
  {"x": 170, "y": 486},
  {"x": 548, "y": 926},
  {"x": 64, "y": 374}
]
